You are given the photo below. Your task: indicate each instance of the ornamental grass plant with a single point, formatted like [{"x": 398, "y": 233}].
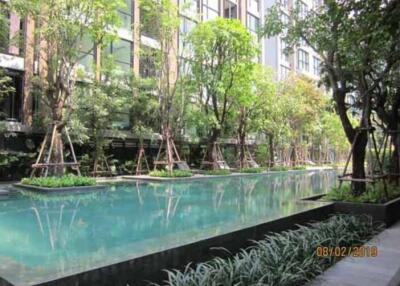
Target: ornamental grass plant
[{"x": 285, "y": 259}]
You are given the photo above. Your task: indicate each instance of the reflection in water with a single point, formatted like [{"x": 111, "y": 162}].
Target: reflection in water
[{"x": 60, "y": 233}]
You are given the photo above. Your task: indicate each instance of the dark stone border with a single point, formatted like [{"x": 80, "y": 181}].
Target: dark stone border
[
  {"x": 60, "y": 190},
  {"x": 388, "y": 213},
  {"x": 140, "y": 270}
]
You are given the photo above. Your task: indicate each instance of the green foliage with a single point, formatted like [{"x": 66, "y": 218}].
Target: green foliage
[
  {"x": 286, "y": 258},
  {"x": 217, "y": 172},
  {"x": 373, "y": 194},
  {"x": 58, "y": 182},
  {"x": 252, "y": 170},
  {"x": 12, "y": 163},
  {"x": 221, "y": 65},
  {"x": 299, "y": 168},
  {"x": 100, "y": 107},
  {"x": 279, "y": 168},
  {"x": 167, "y": 174}
]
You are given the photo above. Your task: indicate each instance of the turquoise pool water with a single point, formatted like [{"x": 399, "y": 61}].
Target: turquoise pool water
[{"x": 43, "y": 237}]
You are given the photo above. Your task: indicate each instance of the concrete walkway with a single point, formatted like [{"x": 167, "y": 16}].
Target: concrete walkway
[{"x": 383, "y": 270}]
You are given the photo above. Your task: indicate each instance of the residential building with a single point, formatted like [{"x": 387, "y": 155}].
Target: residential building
[
  {"x": 133, "y": 50},
  {"x": 303, "y": 59}
]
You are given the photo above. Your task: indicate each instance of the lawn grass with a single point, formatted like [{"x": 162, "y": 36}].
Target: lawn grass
[{"x": 60, "y": 182}]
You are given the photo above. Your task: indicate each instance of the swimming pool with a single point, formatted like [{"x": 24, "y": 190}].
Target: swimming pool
[{"x": 43, "y": 237}]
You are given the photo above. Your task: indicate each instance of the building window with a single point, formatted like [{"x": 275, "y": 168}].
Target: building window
[
  {"x": 285, "y": 4},
  {"x": 86, "y": 53},
  {"x": 126, "y": 15},
  {"x": 10, "y": 103},
  {"x": 185, "y": 27},
  {"x": 11, "y": 32},
  {"x": 284, "y": 52},
  {"x": 303, "y": 61},
  {"x": 316, "y": 66},
  {"x": 121, "y": 52},
  {"x": 190, "y": 6},
  {"x": 284, "y": 72},
  {"x": 253, "y": 23},
  {"x": 210, "y": 9},
  {"x": 302, "y": 8},
  {"x": 230, "y": 10},
  {"x": 254, "y": 5},
  {"x": 147, "y": 62}
]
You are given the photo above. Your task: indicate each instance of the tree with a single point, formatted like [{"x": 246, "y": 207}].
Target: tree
[
  {"x": 60, "y": 28},
  {"x": 221, "y": 62},
  {"x": 252, "y": 106},
  {"x": 165, "y": 23},
  {"x": 98, "y": 108},
  {"x": 358, "y": 42}
]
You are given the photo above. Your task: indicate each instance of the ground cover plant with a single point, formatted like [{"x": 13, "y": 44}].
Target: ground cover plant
[
  {"x": 286, "y": 258},
  {"x": 252, "y": 170},
  {"x": 279, "y": 168},
  {"x": 299, "y": 168},
  {"x": 217, "y": 172},
  {"x": 371, "y": 195},
  {"x": 173, "y": 174},
  {"x": 57, "y": 182}
]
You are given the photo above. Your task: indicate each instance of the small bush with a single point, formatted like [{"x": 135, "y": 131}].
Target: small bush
[
  {"x": 299, "y": 168},
  {"x": 372, "y": 195},
  {"x": 218, "y": 172},
  {"x": 174, "y": 174},
  {"x": 58, "y": 182},
  {"x": 252, "y": 170},
  {"x": 279, "y": 168},
  {"x": 287, "y": 258}
]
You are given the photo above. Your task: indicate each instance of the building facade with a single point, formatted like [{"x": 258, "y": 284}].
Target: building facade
[
  {"x": 132, "y": 52},
  {"x": 303, "y": 59}
]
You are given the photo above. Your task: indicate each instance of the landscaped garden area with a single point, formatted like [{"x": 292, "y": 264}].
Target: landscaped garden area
[{"x": 149, "y": 141}]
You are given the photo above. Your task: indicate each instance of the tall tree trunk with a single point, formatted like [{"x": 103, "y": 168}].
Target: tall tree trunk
[
  {"x": 271, "y": 150},
  {"x": 293, "y": 155},
  {"x": 242, "y": 139},
  {"x": 212, "y": 152}
]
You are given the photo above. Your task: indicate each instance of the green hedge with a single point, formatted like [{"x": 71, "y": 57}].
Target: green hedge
[
  {"x": 372, "y": 195},
  {"x": 299, "y": 168},
  {"x": 174, "y": 174},
  {"x": 286, "y": 258},
  {"x": 57, "y": 182}
]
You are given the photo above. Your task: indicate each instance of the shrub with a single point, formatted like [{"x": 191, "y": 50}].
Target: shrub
[
  {"x": 286, "y": 258},
  {"x": 372, "y": 195},
  {"x": 279, "y": 168},
  {"x": 299, "y": 168},
  {"x": 252, "y": 170},
  {"x": 218, "y": 172},
  {"x": 174, "y": 174},
  {"x": 57, "y": 182}
]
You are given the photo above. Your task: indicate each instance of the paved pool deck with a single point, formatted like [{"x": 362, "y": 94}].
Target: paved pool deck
[{"x": 383, "y": 270}]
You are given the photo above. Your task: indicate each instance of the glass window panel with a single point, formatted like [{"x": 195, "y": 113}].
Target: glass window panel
[
  {"x": 253, "y": 23},
  {"x": 230, "y": 10}
]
